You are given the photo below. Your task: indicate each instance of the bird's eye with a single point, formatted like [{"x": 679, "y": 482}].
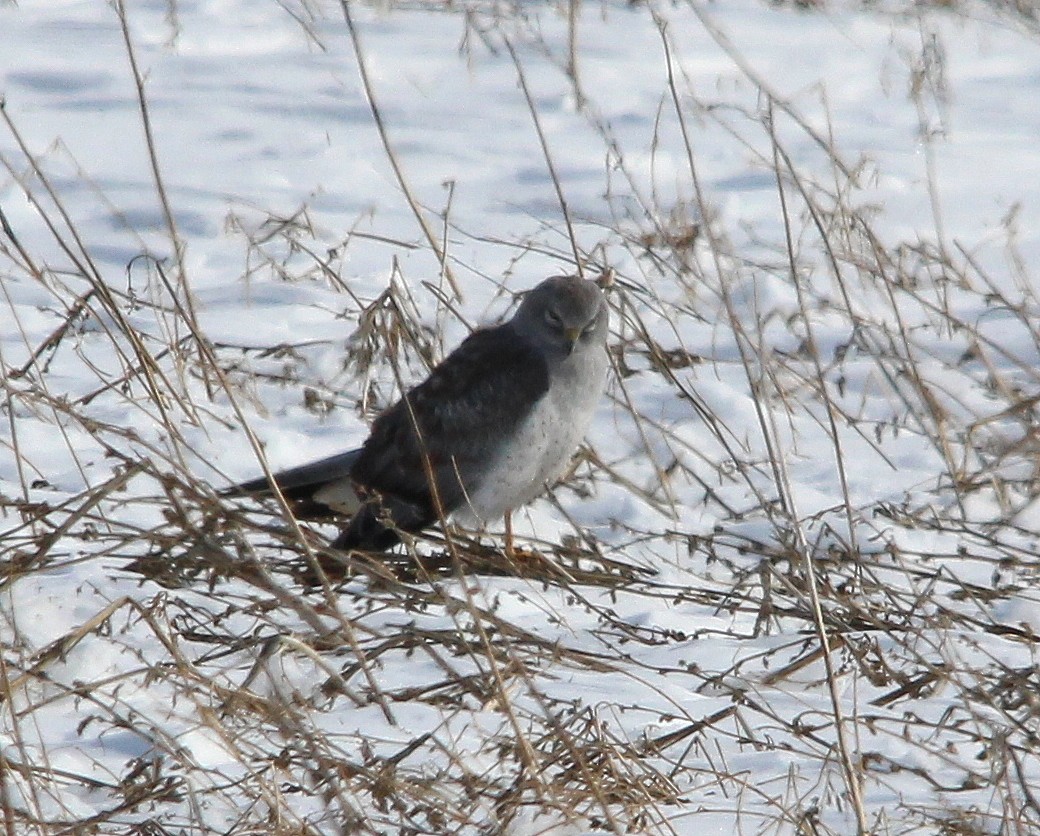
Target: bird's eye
[
  {"x": 590, "y": 329},
  {"x": 553, "y": 319}
]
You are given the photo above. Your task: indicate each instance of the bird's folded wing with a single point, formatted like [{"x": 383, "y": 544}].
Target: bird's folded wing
[{"x": 453, "y": 425}]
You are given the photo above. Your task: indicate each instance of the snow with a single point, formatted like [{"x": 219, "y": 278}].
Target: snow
[{"x": 672, "y": 680}]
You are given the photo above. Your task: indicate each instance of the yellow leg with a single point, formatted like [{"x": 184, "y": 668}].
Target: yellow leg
[{"x": 510, "y": 552}]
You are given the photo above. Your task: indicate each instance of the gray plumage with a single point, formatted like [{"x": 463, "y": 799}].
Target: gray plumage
[{"x": 499, "y": 418}]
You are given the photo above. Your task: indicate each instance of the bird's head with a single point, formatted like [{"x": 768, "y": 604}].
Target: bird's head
[{"x": 564, "y": 313}]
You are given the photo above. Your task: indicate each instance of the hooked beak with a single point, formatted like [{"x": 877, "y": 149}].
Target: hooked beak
[{"x": 570, "y": 339}]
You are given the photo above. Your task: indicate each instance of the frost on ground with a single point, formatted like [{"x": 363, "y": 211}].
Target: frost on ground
[{"x": 788, "y": 585}]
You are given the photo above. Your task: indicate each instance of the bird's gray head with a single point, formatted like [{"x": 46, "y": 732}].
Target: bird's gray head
[{"x": 564, "y": 313}]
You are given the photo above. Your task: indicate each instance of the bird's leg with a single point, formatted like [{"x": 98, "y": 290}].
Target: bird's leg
[
  {"x": 510, "y": 551},
  {"x": 518, "y": 557}
]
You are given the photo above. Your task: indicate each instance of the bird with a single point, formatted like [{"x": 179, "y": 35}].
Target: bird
[{"x": 492, "y": 425}]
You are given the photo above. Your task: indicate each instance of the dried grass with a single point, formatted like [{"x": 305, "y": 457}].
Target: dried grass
[{"x": 873, "y": 686}]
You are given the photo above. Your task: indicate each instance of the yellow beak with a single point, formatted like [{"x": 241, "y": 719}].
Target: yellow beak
[{"x": 571, "y": 336}]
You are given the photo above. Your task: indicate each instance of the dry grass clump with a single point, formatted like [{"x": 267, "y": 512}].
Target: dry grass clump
[{"x": 714, "y": 655}]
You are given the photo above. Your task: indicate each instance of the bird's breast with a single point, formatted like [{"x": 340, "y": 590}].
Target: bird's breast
[{"x": 540, "y": 448}]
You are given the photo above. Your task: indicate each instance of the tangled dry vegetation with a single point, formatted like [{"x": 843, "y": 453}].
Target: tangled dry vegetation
[{"x": 708, "y": 654}]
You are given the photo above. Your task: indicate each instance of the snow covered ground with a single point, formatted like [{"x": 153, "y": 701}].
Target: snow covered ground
[{"x": 789, "y": 586}]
